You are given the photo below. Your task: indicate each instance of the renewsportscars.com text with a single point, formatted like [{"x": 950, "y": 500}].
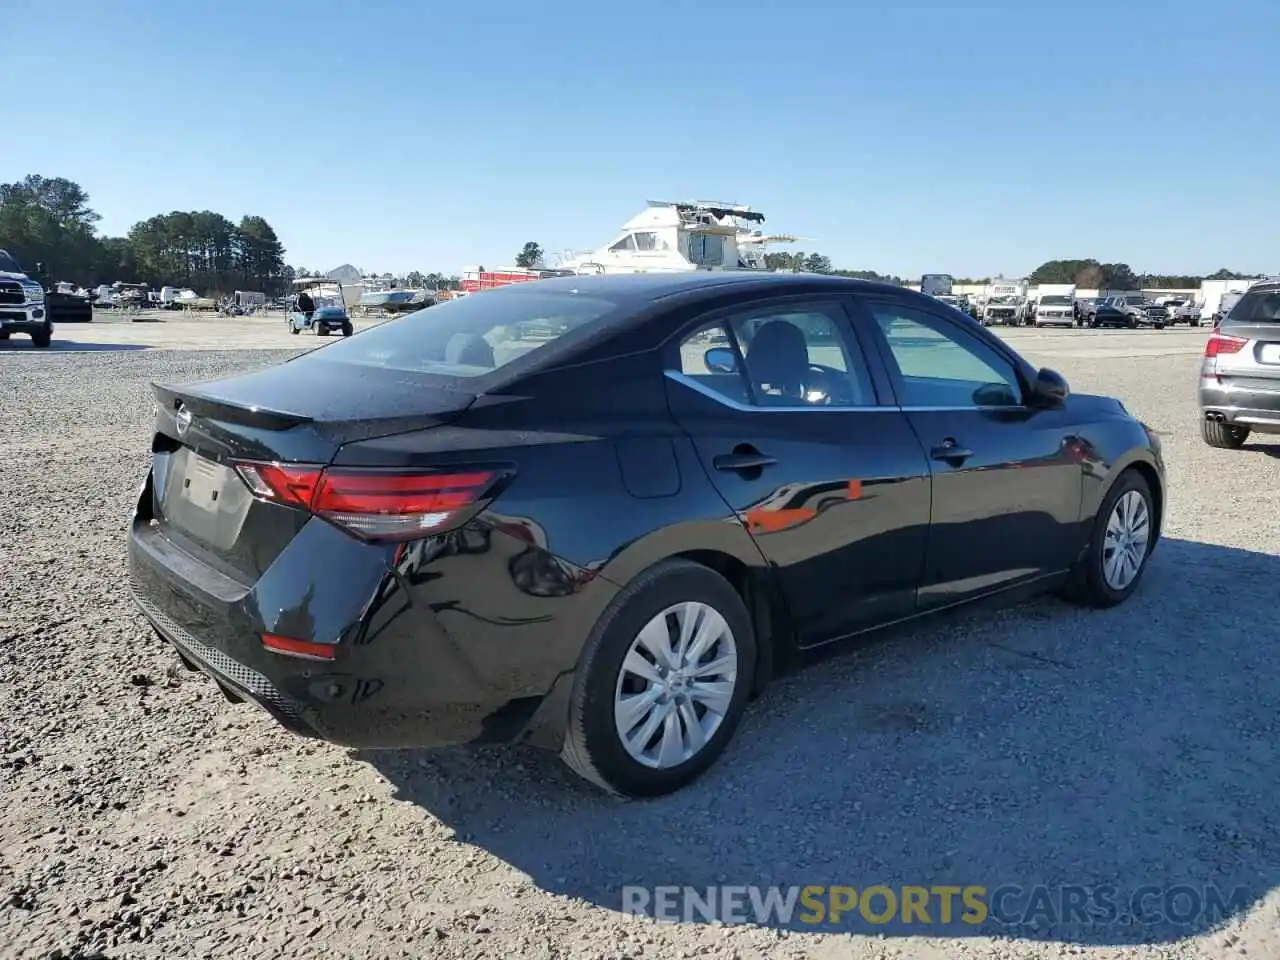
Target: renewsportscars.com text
[{"x": 934, "y": 905}]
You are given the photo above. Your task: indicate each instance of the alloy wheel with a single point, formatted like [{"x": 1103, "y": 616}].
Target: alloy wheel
[{"x": 1124, "y": 548}]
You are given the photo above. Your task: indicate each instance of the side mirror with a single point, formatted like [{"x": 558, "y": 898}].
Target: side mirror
[
  {"x": 1050, "y": 388},
  {"x": 720, "y": 360}
]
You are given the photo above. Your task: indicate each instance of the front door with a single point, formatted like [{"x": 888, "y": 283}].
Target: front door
[
  {"x": 1007, "y": 478},
  {"x": 830, "y": 481}
]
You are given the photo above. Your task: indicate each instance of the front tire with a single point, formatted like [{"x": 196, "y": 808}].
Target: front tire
[
  {"x": 1123, "y": 538},
  {"x": 42, "y": 338},
  {"x": 662, "y": 682},
  {"x": 1225, "y": 436}
]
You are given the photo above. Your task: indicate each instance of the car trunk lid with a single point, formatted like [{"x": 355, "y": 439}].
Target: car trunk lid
[{"x": 290, "y": 413}]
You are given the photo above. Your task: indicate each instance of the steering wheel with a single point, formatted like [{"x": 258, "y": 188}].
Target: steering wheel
[{"x": 833, "y": 385}]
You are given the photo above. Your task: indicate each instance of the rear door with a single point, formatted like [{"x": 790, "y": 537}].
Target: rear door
[
  {"x": 1007, "y": 483},
  {"x": 830, "y": 480}
]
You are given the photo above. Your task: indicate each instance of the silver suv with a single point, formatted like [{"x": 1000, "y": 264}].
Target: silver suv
[{"x": 1240, "y": 373}]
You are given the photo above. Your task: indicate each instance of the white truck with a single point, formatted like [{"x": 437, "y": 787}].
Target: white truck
[
  {"x": 936, "y": 284},
  {"x": 22, "y": 306},
  {"x": 1217, "y": 297},
  {"x": 1006, "y": 303},
  {"x": 1055, "y": 303}
]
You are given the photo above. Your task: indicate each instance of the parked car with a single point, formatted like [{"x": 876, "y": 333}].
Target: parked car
[
  {"x": 1084, "y": 308},
  {"x": 959, "y": 304},
  {"x": 1225, "y": 305},
  {"x": 1007, "y": 311},
  {"x": 1240, "y": 372},
  {"x": 1145, "y": 313},
  {"x": 600, "y": 513},
  {"x": 1180, "y": 310},
  {"x": 1110, "y": 312}
]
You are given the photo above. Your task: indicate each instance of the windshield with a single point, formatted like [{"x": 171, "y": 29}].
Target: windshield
[
  {"x": 1054, "y": 300},
  {"x": 8, "y": 264},
  {"x": 471, "y": 336},
  {"x": 1256, "y": 306},
  {"x": 1135, "y": 300}
]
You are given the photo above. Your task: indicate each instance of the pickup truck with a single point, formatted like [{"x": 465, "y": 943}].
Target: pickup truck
[
  {"x": 1144, "y": 312},
  {"x": 1182, "y": 311},
  {"x": 22, "y": 306}
]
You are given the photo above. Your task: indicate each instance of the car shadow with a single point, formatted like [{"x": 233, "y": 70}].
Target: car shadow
[
  {"x": 69, "y": 346},
  {"x": 1107, "y": 776},
  {"x": 1270, "y": 449}
]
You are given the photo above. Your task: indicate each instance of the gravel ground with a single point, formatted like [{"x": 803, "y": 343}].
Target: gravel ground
[{"x": 145, "y": 816}]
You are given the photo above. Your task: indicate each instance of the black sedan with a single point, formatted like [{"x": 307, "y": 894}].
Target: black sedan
[{"x": 598, "y": 514}]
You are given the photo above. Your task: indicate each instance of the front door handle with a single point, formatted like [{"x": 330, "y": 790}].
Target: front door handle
[
  {"x": 743, "y": 461},
  {"x": 951, "y": 452}
]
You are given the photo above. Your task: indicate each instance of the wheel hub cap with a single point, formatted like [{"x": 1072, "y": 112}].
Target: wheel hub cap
[{"x": 676, "y": 685}]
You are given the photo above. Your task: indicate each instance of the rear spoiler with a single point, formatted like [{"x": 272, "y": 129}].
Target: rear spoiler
[{"x": 170, "y": 398}]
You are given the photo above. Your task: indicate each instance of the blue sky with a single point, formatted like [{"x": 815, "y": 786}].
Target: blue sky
[{"x": 972, "y": 139}]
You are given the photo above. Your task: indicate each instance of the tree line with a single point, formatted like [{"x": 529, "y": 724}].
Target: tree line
[
  {"x": 48, "y": 221},
  {"x": 1092, "y": 275}
]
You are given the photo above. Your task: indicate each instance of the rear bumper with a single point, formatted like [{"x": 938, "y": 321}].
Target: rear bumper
[
  {"x": 1248, "y": 407},
  {"x": 438, "y": 644}
]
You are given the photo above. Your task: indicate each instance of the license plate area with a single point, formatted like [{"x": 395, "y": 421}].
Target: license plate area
[
  {"x": 1269, "y": 353},
  {"x": 204, "y": 499}
]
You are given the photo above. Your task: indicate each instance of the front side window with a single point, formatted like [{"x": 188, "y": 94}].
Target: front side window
[
  {"x": 774, "y": 356},
  {"x": 942, "y": 365}
]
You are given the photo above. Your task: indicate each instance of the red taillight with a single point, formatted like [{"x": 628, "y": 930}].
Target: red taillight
[
  {"x": 1220, "y": 343},
  {"x": 306, "y": 649},
  {"x": 373, "y": 504},
  {"x": 289, "y": 484}
]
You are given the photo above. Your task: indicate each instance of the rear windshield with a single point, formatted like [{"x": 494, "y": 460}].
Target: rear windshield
[
  {"x": 1256, "y": 306},
  {"x": 473, "y": 335}
]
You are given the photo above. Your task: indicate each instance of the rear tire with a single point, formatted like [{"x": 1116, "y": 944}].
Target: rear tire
[
  {"x": 321, "y": 330},
  {"x": 617, "y": 667},
  {"x": 347, "y": 328},
  {"x": 1225, "y": 436},
  {"x": 293, "y": 330},
  {"x": 1122, "y": 537}
]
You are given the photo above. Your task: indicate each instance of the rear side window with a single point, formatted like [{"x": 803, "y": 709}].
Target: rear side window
[
  {"x": 1256, "y": 306},
  {"x": 473, "y": 335}
]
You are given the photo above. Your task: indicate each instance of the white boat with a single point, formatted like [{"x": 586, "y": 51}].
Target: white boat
[
  {"x": 681, "y": 236},
  {"x": 190, "y": 300}
]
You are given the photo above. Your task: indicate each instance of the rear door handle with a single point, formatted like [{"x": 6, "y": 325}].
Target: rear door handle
[
  {"x": 743, "y": 461},
  {"x": 951, "y": 452}
]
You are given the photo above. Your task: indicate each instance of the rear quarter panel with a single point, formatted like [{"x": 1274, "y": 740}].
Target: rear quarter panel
[{"x": 605, "y": 486}]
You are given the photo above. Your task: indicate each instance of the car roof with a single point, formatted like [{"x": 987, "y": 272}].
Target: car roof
[{"x": 633, "y": 287}]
